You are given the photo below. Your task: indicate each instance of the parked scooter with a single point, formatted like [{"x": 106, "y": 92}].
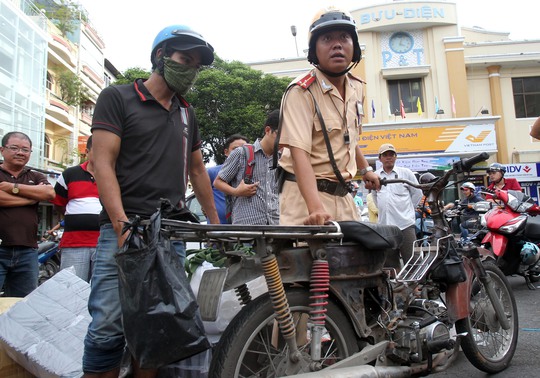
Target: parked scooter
[
  {"x": 48, "y": 257},
  {"x": 514, "y": 235}
]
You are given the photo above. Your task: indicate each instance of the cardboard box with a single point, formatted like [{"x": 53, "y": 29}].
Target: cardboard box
[{"x": 8, "y": 367}]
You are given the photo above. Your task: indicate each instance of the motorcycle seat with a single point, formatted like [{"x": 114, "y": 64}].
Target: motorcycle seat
[
  {"x": 532, "y": 227},
  {"x": 45, "y": 246},
  {"x": 371, "y": 235}
]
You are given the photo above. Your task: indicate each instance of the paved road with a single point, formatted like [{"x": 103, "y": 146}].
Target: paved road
[{"x": 526, "y": 361}]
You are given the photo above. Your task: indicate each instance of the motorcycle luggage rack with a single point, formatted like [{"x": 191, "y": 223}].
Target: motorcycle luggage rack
[
  {"x": 424, "y": 255},
  {"x": 197, "y": 232}
]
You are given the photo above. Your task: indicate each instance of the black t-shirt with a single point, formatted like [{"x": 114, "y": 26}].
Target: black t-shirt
[
  {"x": 19, "y": 225},
  {"x": 156, "y": 146}
]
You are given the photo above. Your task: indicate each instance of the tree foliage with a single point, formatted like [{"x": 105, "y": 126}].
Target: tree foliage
[
  {"x": 229, "y": 98},
  {"x": 64, "y": 15},
  {"x": 72, "y": 90},
  {"x": 129, "y": 75}
]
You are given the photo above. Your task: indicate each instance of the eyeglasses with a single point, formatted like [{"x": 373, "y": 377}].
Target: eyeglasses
[
  {"x": 16, "y": 149},
  {"x": 465, "y": 188}
]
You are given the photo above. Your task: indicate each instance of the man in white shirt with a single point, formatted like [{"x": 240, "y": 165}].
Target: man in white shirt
[{"x": 397, "y": 202}]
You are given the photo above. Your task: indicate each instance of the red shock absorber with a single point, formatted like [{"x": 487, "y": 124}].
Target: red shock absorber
[{"x": 319, "y": 286}]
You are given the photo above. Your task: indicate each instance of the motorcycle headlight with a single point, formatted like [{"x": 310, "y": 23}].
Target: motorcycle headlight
[
  {"x": 513, "y": 202},
  {"x": 513, "y": 225}
]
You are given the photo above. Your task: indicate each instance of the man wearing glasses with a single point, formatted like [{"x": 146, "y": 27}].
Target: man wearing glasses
[{"x": 21, "y": 190}]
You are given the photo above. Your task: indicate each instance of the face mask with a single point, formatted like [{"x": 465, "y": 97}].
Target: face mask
[{"x": 179, "y": 77}]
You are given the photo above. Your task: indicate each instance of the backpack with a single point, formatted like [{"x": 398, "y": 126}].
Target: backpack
[{"x": 248, "y": 179}]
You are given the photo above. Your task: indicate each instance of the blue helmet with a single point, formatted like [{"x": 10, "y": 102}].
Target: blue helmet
[
  {"x": 496, "y": 167},
  {"x": 182, "y": 38}
]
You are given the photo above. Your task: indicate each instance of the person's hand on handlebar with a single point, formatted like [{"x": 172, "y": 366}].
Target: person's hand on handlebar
[{"x": 372, "y": 181}]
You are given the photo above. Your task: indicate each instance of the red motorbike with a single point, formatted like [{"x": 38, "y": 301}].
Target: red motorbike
[{"x": 513, "y": 235}]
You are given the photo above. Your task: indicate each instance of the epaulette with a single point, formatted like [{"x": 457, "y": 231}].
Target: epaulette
[
  {"x": 306, "y": 80},
  {"x": 351, "y": 76}
]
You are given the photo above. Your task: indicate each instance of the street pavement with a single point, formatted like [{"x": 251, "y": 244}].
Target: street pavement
[{"x": 526, "y": 361}]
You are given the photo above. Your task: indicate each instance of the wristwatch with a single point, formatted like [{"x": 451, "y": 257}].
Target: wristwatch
[
  {"x": 366, "y": 170},
  {"x": 15, "y": 189}
]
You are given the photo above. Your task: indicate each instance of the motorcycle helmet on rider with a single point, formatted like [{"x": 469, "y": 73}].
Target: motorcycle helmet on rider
[
  {"x": 496, "y": 167},
  {"x": 468, "y": 185},
  {"x": 180, "y": 38},
  {"x": 330, "y": 19}
]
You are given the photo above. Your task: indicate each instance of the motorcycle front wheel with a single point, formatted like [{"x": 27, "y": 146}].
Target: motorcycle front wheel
[
  {"x": 487, "y": 345},
  {"x": 252, "y": 345}
]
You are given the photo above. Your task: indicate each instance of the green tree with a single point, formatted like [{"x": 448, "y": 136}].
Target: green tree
[
  {"x": 230, "y": 98},
  {"x": 72, "y": 90},
  {"x": 129, "y": 75},
  {"x": 64, "y": 15}
]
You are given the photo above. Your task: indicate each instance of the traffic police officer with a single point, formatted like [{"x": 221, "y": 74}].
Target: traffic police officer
[{"x": 328, "y": 96}]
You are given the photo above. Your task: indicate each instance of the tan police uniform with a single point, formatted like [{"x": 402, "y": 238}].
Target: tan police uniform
[{"x": 301, "y": 128}]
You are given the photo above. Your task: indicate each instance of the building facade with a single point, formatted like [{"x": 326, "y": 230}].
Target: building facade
[
  {"x": 463, "y": 90},
  {"x": 51, "y": 77}
]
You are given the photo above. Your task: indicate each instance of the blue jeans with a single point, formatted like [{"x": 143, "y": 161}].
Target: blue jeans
[
  {"x": 19, "y": 270},
  {"x": 80, "y": 258},
  {"x": 104, "y": 342}
]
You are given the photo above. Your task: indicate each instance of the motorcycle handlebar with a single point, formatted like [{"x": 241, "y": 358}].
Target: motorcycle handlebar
[
  {"x": 466, "y": 164},
  {"x": 462, "y": 165}
]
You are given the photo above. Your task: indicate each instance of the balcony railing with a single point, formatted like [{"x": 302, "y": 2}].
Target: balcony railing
[
  {"x": 93, "y": 76},
  {"x": 60, "y": 110},
  {"x": 92, "y": 33}
]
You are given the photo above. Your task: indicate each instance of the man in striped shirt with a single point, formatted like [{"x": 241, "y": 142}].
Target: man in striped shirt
[
  {"x": 255, "y": 202},
  {"x": 77, "y": 200}
]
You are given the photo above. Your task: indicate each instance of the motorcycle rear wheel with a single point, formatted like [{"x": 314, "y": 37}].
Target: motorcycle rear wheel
[
  {"x": 252, "y": 345},
  {"x": 487, "y": 346}
]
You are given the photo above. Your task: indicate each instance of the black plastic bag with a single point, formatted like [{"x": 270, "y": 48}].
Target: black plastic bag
[{"x": 160, "y": 314}]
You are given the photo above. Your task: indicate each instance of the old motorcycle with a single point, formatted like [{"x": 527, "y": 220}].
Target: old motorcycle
[
  {"x": 513, "y": 235},
  {"x": 332, "y": 306}
]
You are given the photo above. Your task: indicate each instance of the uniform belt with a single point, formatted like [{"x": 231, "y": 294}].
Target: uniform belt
[{"x": 331, "y": 187}]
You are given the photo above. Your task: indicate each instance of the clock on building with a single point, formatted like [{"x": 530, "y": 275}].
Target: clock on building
[{"x": 401, "y": 42}]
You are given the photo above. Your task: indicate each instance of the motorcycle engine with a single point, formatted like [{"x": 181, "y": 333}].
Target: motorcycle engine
[{"x": 421, "y": 333}]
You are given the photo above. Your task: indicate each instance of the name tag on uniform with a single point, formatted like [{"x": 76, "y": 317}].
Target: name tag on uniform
[{"x": 359, "y": 109}]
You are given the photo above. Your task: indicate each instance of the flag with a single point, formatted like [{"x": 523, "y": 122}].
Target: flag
[
  {"x": 419, "y": 106},
  {"x": 436, "y": 105},
  {"x": 453, "y": 105},
  {"x": 372, "y": 109},
  {"x": 402, "y": 109}
]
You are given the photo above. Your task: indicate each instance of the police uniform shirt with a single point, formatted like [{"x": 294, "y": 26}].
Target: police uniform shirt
[{"x": 301, "y": 128}]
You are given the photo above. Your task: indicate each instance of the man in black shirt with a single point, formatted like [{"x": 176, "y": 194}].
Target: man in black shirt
[{"x": 146, "y": 143}]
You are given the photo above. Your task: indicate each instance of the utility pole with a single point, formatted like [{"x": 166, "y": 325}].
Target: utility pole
[{"x": 293, "y": 31}]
